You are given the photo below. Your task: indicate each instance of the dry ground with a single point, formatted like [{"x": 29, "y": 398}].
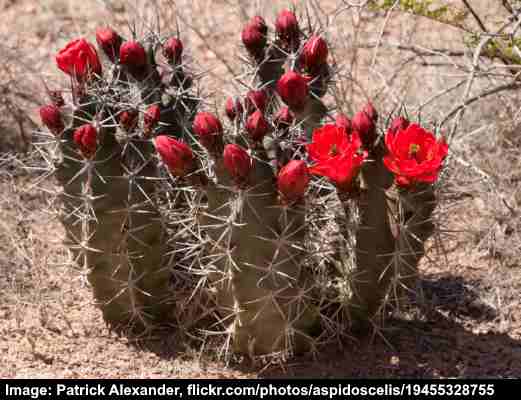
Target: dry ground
[{"x": 470, "y": 323}]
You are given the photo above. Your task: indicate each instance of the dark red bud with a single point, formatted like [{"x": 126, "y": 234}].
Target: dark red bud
[
  {"x": 371, "y": 111},
  {"x": 176, "y": 155},
  {"x": 128, "y": 119},
  {"x": 173, "y": 50},
  {"x": 257, "y": 126},
  {"x": 209, "y": 130},
  {"x": 238, "y": 163},
  {"x": 293, "y": 90},
  {"x": 85, "y": 138},
  {"x": 51, "y": 117},
  {"x": 109, "y": 41},
  {"x": 342, "y": 121},
  {"x": 151, "y": 117},
  {"x": 314, "y": 54},
  {"x": 398, "y": 124},
  {"x": 255, "y": 100},
  {"x": 293, "y": 181},
  {"x": 233, "y": 108},
  {"x": 132, "y": 54},
  {"x": 283, "y": 118},
  {"x": 365, "y": 126},
  {"x": 287, "y": 30},
  {"x": 254, "y": 36}
]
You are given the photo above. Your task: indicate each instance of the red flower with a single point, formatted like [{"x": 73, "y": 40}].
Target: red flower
[
  {"x": 177, "y": 155},
  {"x": 414, "y": 155},
  {"x": 173, "y": 50},
  {"x": 109, "y": 41},
  {"x": 293, "y": 90},
  {"x": 338, "y": 156},
  {"x": 132, "y": 54},
  {"x": 257, "y": 126},
  {"x": 284, "y": 118},
  {"x": 237, "y": 162},
  {"x": 293, "y": 181},
  {"x": 51, "y": 117},
  {"x": 287, "y": 30},
  {"x": 254, "y": 36},
  {"x": 255, "y": 100},
  {"x": 233, "y": 108},
  {"x": 209, "y": 130},
  {"x": 79, "y": 59},
  {"x": 85, "y": 138},
  {"x": 314, "y": 54}
]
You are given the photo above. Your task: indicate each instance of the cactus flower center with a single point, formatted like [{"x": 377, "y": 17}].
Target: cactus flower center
[
  {"x": 333, "y": 150},
  {"x": 414, "y": 148}
]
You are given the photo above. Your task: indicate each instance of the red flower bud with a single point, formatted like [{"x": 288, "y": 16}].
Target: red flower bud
[
  {"x": 284, "y": 118},
  {"x": 364, "y": 123},
  {"x": 237, "y": 162},
  {"x": 233, "y": 108},
  {"x": 257, "y": 126},
  {"x": 128, "y": 119},
  {"x": 132, "y": 54},
  {"x": 177, "y": 155},
  {"x": 85, "y": 138},
  {"x": 398, "y": 124},
  {"x": 255, "y": 100},
  {"x": 293, "y": 181},
  {"x": 254, "y": 36},
  {"x": 79, "y": 60},
  {"x": 56, "y": 98},
  {"x": 51, "y": 117},
  {"x": 109, "y": 41},
  {"x": 209, "y": 130},
  {"x": 173, "y": 50},
  {"x": 293, "y": 90},
  {"x": 314, "y": 54},
  {"x": 151, "y": 117},
  {"x": 287, "y": 30},
  {"x": 371, "y": 111},
  {"x": 342, "y": 121}
]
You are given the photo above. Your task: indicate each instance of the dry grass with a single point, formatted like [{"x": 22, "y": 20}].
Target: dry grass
[{"x": 470, "y": 324}]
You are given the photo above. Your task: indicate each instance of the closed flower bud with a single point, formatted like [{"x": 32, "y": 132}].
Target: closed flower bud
[
  {"x": 283, "y": 118},
  {"x": 238, "y": 163},
  {"x": 209, "y": 130},
  {"x": 233, "y": 108},
  {"x": 132, "y": 54},
  {"x": 173, "y": 50},
  {"x": 51, "y": 117},
  {"x": 398, "y": 124},
  {"x": 254, "y": 36},
  {"x": 293, "y": 90},
  {"x": 176, "y": 155},
  {"x": 257, "y": 126},
  {"x": 364, "y": 123},
  {"x": 293, "y": 181},
  {"x": 314, "y": 54},
  {"x": 128, "y": 119},
  {"x": 151, "y": 117},
  {"x": 342, "y": 121},
  {"x": 85, "y": 138},
  {"x": 109, "y": 41},
  {"x": 287, "y": 30},
  {"x": 255, "y": 100}
]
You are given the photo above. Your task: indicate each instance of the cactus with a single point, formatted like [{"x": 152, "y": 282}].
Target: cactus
[{"x": 278, "y": 230}]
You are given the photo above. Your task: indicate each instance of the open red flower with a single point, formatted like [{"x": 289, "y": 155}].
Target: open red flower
[
  {"x": 415, "y": 156},
  {"x": 337, "y": 155},
  {"x": 79, "y": 59}
]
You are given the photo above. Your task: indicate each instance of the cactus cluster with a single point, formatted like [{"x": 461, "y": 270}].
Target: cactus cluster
[{"x": 282, "y": 228}]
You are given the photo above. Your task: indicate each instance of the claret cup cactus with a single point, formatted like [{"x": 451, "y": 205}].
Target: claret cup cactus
[{"x": 278, "y": 228}]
